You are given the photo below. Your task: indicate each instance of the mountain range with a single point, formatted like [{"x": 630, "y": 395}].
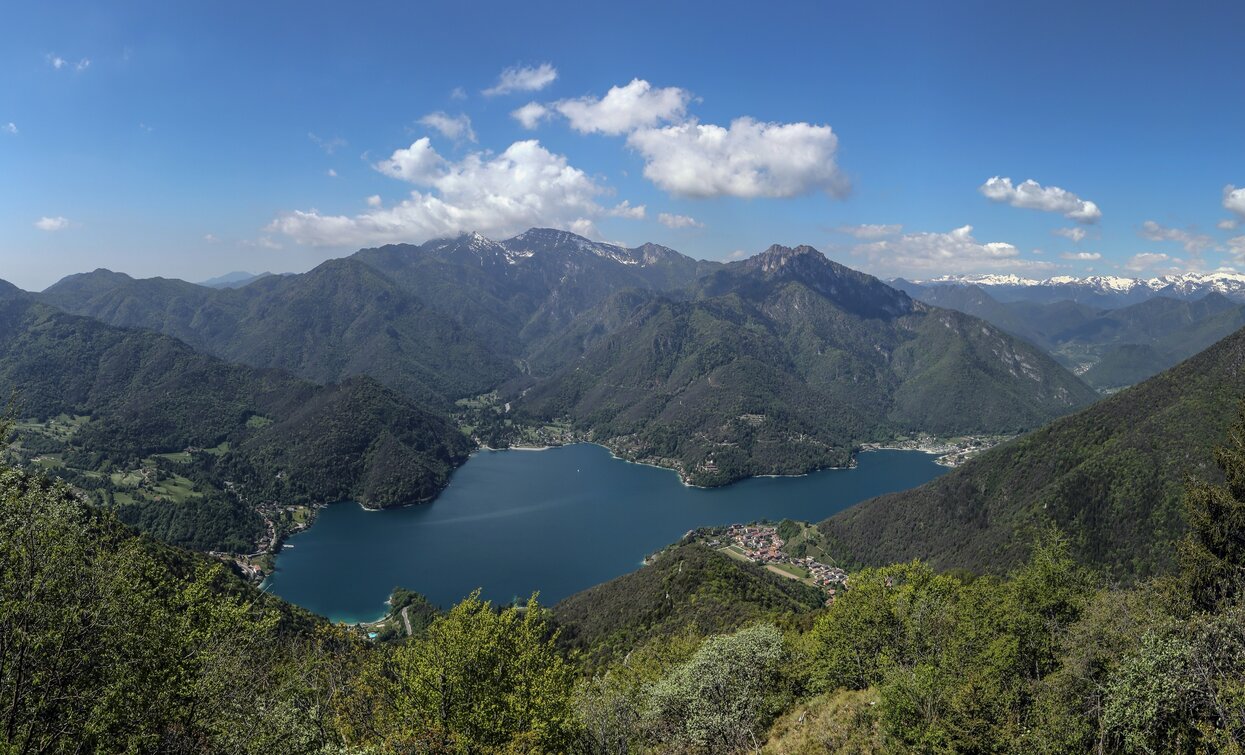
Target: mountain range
[
  {"x": 1104, "y": 290},
  {"x": 782, "y": 363}
]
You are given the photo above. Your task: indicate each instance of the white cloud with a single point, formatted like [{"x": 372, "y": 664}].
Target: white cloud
[
  {"x": 458, "y": 93},
  {"x": 1031, "y": 195},
  {"x": 1234, "y": 199},
  {"x": 678, "y": 221},
  {"x": 374, "y": 201},
  {"x": 870, "y": 230},
  {"x": 1145, "y": 260},
  {"x": 738, "y": 254},
  {"x": 328, "y": 145},
  {"x": 457, "y": 127},
  {"x": 625, "y": 108},
  {"x": 331, "y": 173},
  {"x": 1081, "y": 256},
  {"x": 523, "y": 79},
  {"x": 210, "y": 238},
  {"x": 1077, "y": 235},
  {"x": 9, "y": 128},
  {"x": 1227, "y": 224},
  {"x": 944, "y": 253},
  {"x": 625, "y": 209},
  {"x": 58, "y": 63},
  {"x": 263, "y": 242},
  {"x": 57, "y": 223},
  {"x": 530, "y": 115},
  {"x": 1194, "y": 243},
  {"x": 748, "y": 159},
  {"x": 496, "y": 195},
  {"x": 418, "y": 163}
]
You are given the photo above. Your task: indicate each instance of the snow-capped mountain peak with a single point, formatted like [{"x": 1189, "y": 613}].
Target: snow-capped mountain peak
[{"x": 1183, "y": 285}]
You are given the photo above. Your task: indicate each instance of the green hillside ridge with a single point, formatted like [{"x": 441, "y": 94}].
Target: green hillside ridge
[
  {"x": 688, "y": 588},
  {"x": 1110, "y": 476},
  {"x": 255, "y": 436}
]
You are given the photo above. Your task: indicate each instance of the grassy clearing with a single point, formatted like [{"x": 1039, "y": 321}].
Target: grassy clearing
[{"x": 789, "y": 570}]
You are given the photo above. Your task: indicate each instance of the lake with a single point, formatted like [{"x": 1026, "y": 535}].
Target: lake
[{"x": 555, "y": 521}]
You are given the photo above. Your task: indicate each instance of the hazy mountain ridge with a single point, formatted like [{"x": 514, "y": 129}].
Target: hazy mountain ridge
[{"x": 1109, "y": 347}]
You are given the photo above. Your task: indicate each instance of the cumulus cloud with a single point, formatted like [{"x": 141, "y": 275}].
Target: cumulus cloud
[
  {"x": 523, "y": 79},
  {"x": 331, "y": 173},
  {"x": 57, "y": 223},
  {"x": 678, "y": 221},
  {"x": 456, "y": 127},
  {"x": 625, "y": 209},
  {"x": 9, "y": 128},
  {"x": 1031, "y": 195},
  {"x": 956, "y": 251},
  {"x": 1194, "y": 243},
  {"x": 1234, "y": 199},
  {"x": 1145, "y": 260},
  {"x": 328, "y": 145},
  {"x": 418, "y": 163},
  {"x": 870, "y": 230},
  {"x": 1077, "y": 235},
  {"x": 1227, "y": 224},
  {"x": 374, "y": 201},
  {"x": 530, "y": 115},
  {"x": 624, "y": 109},
  {"x": 1081, "y": 256},
  {"x": 496, "y": 195},
  {"x": 458, "y": 93},
  {"x": 748, "y": 159}
]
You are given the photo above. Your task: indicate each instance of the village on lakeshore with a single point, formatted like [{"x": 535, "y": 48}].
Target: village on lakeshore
[{"x": 952, "y": 452}]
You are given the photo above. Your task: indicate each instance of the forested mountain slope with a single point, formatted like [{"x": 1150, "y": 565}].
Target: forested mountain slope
[
  {"x": 781, "y": 364},
  {"x": 1110, "y": 476},
  {"x": 117, "y": 411}
]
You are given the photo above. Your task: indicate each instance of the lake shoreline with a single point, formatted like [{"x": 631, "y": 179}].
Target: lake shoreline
[{"x": 557, "y": 523}]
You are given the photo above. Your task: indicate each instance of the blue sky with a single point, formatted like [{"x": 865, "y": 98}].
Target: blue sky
[{"x": 189, "y": 140}]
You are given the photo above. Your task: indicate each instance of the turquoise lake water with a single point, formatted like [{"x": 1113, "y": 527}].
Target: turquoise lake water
[{"x": 554, "y": 521}]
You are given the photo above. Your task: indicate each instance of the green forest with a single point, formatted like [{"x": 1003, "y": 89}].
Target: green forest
[{"x": 112, "y": 642}]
